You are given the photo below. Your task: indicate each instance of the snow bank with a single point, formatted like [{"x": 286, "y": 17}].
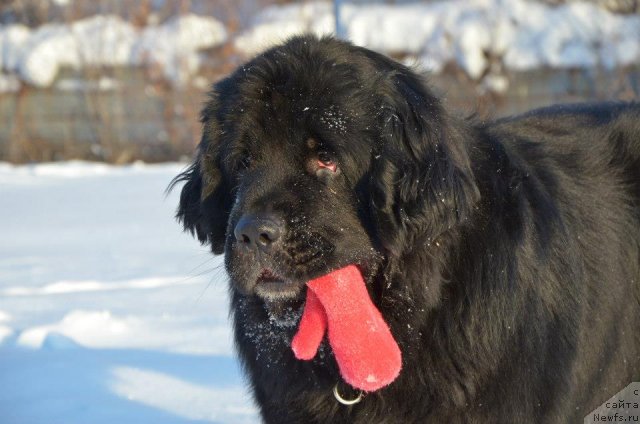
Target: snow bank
[
  {"x": 522, "y": 35},
  {"x": 277, "y": 23},
  {"x": 107, "y": 40},
  {"x": 5, "y": 333},
  {"x": 104, "y": 40},
  {"x": 174, "y": 45},
  {"x": 103, "y": 329},
  {"x": 518, "y": 35},
  {"x": 12, "y": 40},
  {"x": 48, "y": 48}
]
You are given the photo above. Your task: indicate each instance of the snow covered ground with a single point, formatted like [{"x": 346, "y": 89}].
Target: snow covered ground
[{"x": 108, "y": 313}]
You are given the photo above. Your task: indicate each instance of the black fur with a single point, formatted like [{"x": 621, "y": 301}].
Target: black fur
[{"x": 505, "y": 256}]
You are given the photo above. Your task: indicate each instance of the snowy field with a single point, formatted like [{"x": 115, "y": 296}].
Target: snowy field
[{"x": 108, "y": 313}]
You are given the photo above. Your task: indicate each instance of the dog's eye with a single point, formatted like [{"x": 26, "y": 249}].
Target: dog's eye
[
  {"x": 326, "y": 161},
  {"x": 246, "y": 162}
]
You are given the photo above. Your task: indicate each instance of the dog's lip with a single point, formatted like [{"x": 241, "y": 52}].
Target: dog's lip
[
  {"x": 271, "y": 285},
  {"x": 267, "y": 276}
]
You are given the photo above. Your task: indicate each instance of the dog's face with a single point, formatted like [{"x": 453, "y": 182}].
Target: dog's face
[
  {"x": 316, "y": 155},
  {"x": 296, "y": 213}
]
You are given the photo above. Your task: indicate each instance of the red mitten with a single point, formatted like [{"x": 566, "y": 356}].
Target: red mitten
[{"x": 367, "y": 354}]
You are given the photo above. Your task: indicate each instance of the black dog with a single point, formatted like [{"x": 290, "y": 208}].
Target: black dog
[{"x": 504, "y": 256}]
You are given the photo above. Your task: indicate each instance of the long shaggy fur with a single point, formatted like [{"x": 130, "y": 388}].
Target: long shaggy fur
[{"x": 505, "y": 256}]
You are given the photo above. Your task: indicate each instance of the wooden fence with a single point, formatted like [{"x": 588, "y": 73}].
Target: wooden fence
[{"x": 123, "y": 116}]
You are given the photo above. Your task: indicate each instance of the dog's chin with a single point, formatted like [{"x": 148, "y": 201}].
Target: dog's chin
[
  {"x": 273, "y": 287},
  {"x": 275, "y": 291}
]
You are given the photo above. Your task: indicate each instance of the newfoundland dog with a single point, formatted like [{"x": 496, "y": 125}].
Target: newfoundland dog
[{"x": 504, "y": 256}]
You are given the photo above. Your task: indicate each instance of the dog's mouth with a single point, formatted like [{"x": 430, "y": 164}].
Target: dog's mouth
[
  {"x": 273, "y": 287},
  {"x": 268, "y": 276}
]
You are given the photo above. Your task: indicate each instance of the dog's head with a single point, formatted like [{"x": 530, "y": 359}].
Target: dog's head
[{"x": 318, "y": 154}]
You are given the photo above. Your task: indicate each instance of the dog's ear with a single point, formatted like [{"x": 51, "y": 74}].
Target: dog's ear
[
  {"x": 205, "y": 200},
  {"x": 422, "y": 183}
]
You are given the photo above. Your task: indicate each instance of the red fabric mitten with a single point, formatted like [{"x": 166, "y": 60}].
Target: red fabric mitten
[{"x": 367, "y": 354}]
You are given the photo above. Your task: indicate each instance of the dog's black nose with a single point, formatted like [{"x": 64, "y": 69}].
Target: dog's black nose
[{"x": 258, "y": 231}]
